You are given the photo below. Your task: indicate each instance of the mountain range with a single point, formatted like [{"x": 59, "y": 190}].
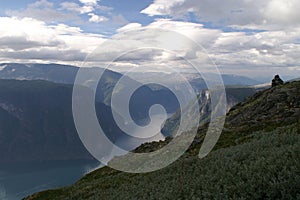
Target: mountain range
[
  {"x": 36, "y": 122},
  {"x": 36, "y": 114}
]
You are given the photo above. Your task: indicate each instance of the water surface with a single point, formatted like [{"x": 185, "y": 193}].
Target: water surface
[{"x": 20, "y": 180}]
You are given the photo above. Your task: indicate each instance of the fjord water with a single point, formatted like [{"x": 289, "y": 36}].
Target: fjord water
[{"x": 20, "y": 180}]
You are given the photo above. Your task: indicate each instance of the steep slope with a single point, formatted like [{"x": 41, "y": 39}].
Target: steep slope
[
  {"x": 266, "y": 110},
  {"x": 253, "y": 160},
  {"x": 36, "y": 122}
]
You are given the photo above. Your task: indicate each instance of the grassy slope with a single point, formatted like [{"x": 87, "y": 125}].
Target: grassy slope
[{"x": 257, "y": 157}]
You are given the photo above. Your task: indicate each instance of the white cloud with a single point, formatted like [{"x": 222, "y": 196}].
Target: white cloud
[
  {"x": 89, "y": 2},
  {"x": 130, "y": 26},
  {"x": 96, "y": 18},
  {"x": 29, "y": 39},
  {"x": 42, "y": 10},
  {"x": 71, "y": 6},
  {"x": 161, "y": 7},
  {"x": 203, "y": 36},
  {"x": 265, "y": 14},
  {"x": 283, "y": 12},
  {"x": 41, "y": 3},
  {"x": 236, "y": 52}
]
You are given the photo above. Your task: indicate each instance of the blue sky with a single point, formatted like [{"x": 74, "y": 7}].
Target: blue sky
[
  {"x": 241, "y": 36},
  {"x": 126, "y": 10}
]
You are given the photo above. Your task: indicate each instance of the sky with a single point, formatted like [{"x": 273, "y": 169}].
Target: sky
[{"x": 257, "y": 38}]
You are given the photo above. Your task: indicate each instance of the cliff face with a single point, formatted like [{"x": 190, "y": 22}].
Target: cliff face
[{"x": 234, "y": 95}]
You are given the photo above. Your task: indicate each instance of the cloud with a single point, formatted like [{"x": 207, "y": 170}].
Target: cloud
[
  {"x": 46, "y": 11},
  {"x": 263, "y": 14},
  {"x": 42, "y": 10},
  {"x": 21, "y": 43},
  {"x": 119, "y": 19},
  {"x": 96, "y": 18},
  {"x": 161, "y": 7},
  {"x": 135, "y": 36},
  {"x": 89, "y": 2},
  {"x": 197, "y": 32},
  {"x": 105, "y": 8},
  {"x": 130, "y": 26},
  {"x": 74, "y": 7},
  {"x": 41, "y": 4},
  {"x": 30, "y": 39},
  {"x": 27, "y": 39},
  {"x": 236, "y": 52}
]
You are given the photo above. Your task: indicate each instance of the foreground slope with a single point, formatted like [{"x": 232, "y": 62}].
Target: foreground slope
[{"x": 257, "y": 157}]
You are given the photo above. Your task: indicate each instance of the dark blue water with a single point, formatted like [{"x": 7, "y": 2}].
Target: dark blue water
[{"x": 19, "y": 181}]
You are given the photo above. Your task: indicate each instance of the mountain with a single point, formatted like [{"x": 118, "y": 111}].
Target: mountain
[
  {"x": 66, "y": 74},
  {"x": 197, "y": 82},
  {"x": 256, "y": 157},
  {"x": 50, "y": 72},
  {"x": 234, "y": 95},
  {"x": 230, "y": 79},
  {"x": 36, "y": 123}
]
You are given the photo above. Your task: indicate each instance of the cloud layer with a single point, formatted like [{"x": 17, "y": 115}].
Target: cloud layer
[
  {"x": 263, "y": 14},
  {"x": 31, "y": 39},
  {"x": 271, "y": 45}
]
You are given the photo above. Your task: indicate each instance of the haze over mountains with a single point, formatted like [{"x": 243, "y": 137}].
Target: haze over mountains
[
  {"x": 36, "y": 116},
  {"x": 37, "y": 123},
  {"x": 67, "y": 73}
]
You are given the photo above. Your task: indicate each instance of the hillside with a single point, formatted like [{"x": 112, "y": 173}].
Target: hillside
[
  {"x": 234, "y": 95},
  {"x": 257, "y": 157}
]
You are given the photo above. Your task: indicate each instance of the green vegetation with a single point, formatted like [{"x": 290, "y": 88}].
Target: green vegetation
[
  {"x": 257, "y": 157},
  {"x": 267, "y": 167}
]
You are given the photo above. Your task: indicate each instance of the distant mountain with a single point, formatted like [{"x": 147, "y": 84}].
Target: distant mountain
[
  {"x": 230, "y": 79},
  {"x": 36, "y": 123},
  {"x": 197, "y": 82},
  {"x": 50, "y": 72},
  {"x": 66, "y": 74},
  {"x": 256, "y": 157}
]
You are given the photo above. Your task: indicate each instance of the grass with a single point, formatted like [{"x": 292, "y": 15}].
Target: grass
[{"x": 263, "y": 166}]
